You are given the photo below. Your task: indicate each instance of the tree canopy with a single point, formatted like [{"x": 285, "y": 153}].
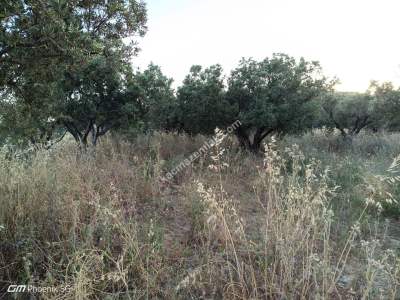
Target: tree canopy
[
  {"x": 66, "y": 66},
  {"x": 156, "y": 97},
  {"x": 65, "y": 62},
  {"x": 350, "y": 113},
  {"x": 272, "y": 95},
  {"x": 387, "y": 105},
  {"x": 201, "y": 101}
]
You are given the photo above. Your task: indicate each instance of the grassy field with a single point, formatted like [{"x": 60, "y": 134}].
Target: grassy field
[{"x": 312, "y": 218}]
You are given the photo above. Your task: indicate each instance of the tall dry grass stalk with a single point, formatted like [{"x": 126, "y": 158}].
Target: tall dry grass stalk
[
  {"x": 106, "y": 227},
  {"x": 296, "y": 256}
]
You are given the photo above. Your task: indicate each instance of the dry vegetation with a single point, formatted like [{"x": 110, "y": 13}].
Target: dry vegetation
[{"x": 311, "y": 219}]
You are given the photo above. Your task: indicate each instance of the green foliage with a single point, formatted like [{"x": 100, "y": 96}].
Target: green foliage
[
  {"x": 66, "y": 61},
  {"x": 66, "y": 66},
  {"x": 201, "y": 101},
  {"x": 272, "y": 96},
  {"x": 155, "y": 104},
  {"x": 95, "y": 98},
  {"x": 20, "y": 126},
  {"x": 156, "y": 98},
  {"x": 349, "y": 112},
  {"x": 387, "y": 104}
]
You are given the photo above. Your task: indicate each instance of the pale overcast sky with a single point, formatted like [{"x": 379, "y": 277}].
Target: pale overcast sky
[{"x": 355, "y": 40}]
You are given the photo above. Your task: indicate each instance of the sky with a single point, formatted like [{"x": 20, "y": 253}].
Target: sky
[{"x": 356, "y": 41}]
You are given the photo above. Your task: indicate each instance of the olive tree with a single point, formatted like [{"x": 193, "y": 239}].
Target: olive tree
[
  {"x": 350, "y": 113},
  {"x": 201, "y": 101},
  {"x": 273, "y": 96},
  {"x": 156, "y": 99},
  {"x": 68, "y": 61},
  {"x": 387, "y": 99}
]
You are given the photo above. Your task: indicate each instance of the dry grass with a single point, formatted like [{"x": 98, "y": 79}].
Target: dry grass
[{"x": 230, "y": 226}]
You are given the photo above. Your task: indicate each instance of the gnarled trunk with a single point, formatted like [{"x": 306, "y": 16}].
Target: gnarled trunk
[{"x": 253, "y": 145}]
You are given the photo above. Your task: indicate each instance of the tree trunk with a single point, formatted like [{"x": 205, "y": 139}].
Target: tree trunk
[
  {"x": 95, "y": 135},
  {"x": 243, "y": 138},
  {"x": 255, "y": 145}
]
